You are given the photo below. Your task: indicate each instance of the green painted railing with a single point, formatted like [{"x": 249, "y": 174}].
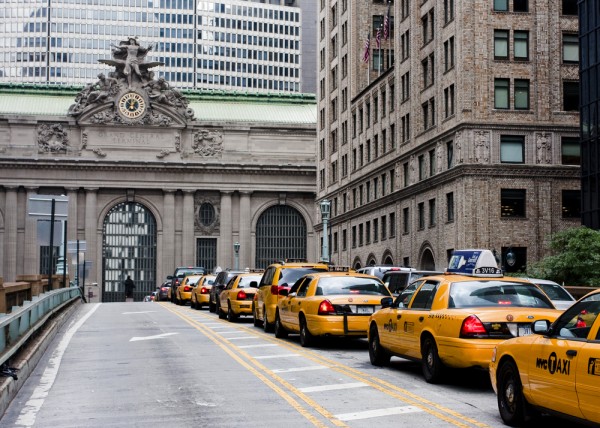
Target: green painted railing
[{"x": 23, "y": 321}]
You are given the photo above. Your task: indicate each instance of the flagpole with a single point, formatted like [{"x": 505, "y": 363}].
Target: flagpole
[{"x": 380, "y": 65}]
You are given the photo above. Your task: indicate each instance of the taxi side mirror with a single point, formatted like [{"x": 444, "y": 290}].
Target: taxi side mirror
[
  {"x": 284, "y": 292},
  {"x": 540, "y": 326},
  {"x": 386, "y": 302},
  {"x": 253, "y": 284}
]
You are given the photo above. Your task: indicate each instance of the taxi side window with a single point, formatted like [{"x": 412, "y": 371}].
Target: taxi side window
[
  {"x": 230, "y": 283},
  {"x": 267, "y": 277},
  {"x": 578, "y": 320},
  {"x": 425, "y": 295},
  {"x": 303, "y": 287}
]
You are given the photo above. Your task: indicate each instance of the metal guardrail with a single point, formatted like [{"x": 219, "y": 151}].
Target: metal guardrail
[{"x": 22, "y": 322}]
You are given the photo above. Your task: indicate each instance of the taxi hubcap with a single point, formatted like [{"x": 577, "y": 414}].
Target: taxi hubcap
[{"x": 509, "y": 394}]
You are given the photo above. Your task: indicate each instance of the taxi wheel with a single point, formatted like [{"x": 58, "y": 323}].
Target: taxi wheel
[
  {"x": 511, "y": 402},
  {"x": 430, "y": 360},
  {"x": 211, "y": 307},
  {"x": 280, "y": 331},
  {"x": 219, "y": 311},
  {"x": 255, "y": 318},
  {"x": 377, "y": 355},
  {"x": 306, "y": 339},
  {"x": 267, "y": 326},
  {"x": 231, "y": 317}
]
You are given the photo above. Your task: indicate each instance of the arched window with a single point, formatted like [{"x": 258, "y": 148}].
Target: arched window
[{"x": 280, "y": 235}]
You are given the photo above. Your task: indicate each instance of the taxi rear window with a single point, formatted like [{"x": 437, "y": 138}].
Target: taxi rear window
[
  {"x": 470, "y": 294},
  {"x": 290, "y": 276},
  {"x": 351, "y": 285}
]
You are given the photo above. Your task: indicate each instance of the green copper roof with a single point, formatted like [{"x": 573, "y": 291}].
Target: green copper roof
[{"x": 220, "y": 106}]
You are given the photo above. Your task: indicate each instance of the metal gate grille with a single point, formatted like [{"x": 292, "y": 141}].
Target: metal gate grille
[
  {"x": 206, "y": 253},
  {"x": 280, "y": 234},
  {"x": 129, "y": 248}
]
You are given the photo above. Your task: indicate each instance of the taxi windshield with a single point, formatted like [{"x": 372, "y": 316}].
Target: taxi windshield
[
  {"x": 470, "y": 294},
  {"x": 351, "y": 285}
]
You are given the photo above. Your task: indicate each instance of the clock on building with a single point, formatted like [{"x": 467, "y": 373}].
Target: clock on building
[{"x": 132, "y": 105}]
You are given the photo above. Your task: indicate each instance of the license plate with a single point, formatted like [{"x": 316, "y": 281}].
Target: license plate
[
  {"x": 364, "y": 309},
  {"x": 524, "y": 331}
]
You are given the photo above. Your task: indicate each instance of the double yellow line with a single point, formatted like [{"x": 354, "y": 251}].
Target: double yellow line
[{"x": 280, "y": 385}]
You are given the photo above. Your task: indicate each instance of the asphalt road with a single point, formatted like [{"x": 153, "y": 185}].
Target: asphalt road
[{"x": 157, "y": 365}]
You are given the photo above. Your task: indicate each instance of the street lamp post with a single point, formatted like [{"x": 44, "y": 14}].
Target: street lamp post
[
  {"x": 325, "y": 210},
  {"x": 236, "y": 250}
]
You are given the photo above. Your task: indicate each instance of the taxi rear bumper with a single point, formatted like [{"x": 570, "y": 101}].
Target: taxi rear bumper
[
  {"x": 241, "y": 307},
  {"x": 338, "y": 325},
  {"x": 465, "y": 353}
]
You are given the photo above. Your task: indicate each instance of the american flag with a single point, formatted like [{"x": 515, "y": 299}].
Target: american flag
[
  {"x": 378, "y": 38},
  {"x": 367, "y": 48},
  {"x": 386, "y": 24}
]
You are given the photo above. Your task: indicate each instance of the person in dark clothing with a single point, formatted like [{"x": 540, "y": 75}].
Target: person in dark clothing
[{"x": 129, "y": 286}]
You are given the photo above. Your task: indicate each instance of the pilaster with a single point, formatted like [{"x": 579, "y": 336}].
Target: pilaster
[{"x": 225, "y": 252}]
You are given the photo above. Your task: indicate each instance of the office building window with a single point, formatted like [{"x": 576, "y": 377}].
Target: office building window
[
  {"x": 383, "y": 228},
  {"x": 449, "y": 102},
  {"x": 570, "y": 48},
  {"x": 521, "y": 45},
  {"x": 448, "y": 11},
  {"x": 569, "y": 7},
  {"x": 450, "y": 207},
  {"x": 405, "y": 221},
  {"x": 368, "y": 232},
  {"x": 449, "y": 54},
  {"x": 360, "y": 235},
  {"x": 392, "y": 225},
  {"x": 376, "y": 230},
  {"x": 521, "y": 94},
  {"x": 432, "y": 164},
  {"x": 570, "y": 151},
  {"x": 571, "y": 96},
  {"x": 450, "y": 154},
  {"x": 353, "y": 236},
  {"x": 405, "y": 174},
  {"x": 421, "y": 160},
  {"x": 428, "y": 109},
  {"x": 344, "y": 240},
  {"x": 501, "y": 93},
  {"x": 512, "y": 149},
  {"x": 421, "y": 215},
  {"x": 571, "y": 204},
  {"x": 512, "y": 202},
  {"x": 500, "y": 44},
  {"x": 432, "y": 213},
  {"x": 520, "y": 5},
  {"x": 501, "y": 5}
]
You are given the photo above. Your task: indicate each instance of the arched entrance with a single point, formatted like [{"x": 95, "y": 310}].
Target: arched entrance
[
  {"x": 128, "y": 248},
  {"x": 427, "y": 261},
  {"x": 280, "y": 234}
]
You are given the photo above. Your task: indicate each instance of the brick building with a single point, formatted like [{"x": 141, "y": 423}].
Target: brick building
[{"x": 460, "y": 130}]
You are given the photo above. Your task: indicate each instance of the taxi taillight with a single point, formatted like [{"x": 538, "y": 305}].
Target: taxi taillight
[
  {"x": 275, "y": 289},
  {"x": 326, "y": 308},
  {"x": 204, "y": 290},
  {"x": 241, "y": 295},
  {"x": 165, "y": 289},
  {"x": 187, "y": 288},
  {"x": 472, "y": 327}
]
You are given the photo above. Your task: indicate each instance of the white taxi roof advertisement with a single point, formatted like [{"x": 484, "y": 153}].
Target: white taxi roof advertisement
[{"x": 474, "y": 263}]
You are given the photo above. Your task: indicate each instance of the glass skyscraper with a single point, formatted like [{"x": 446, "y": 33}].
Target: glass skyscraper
[{"x": 227, "y": 45}]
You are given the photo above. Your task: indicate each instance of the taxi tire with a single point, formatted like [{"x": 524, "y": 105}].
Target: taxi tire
[
  {"x": 255, "y": 319},
  {"x": 430, "y": 360},
  {"x": 280, "y": 331},
  {"x": 211, "y": 307},
  {"x": 378, "y": 356},
  {"x": 511, "y": 402},
  {"x": 306, "y": 338},
  {"x": 220, "y": 312},
  {"x": 231, "y": 317},
  {"x": 267, "y": 326}
]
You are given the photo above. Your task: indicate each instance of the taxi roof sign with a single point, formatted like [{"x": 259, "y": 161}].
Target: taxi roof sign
[{"x": 474, "y": 263}]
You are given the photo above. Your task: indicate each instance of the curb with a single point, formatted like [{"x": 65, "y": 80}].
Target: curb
[{"x": 27, "y": 358}]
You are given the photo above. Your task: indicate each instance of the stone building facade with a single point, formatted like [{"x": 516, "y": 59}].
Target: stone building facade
[
  {"x": 467, "y": 138},
  {"x": 155, "y": 178}
]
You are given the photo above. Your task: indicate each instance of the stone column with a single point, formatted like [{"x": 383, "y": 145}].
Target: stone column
[
  {"x": 245, "y": 228},
  {"x": 72, "y": 193},
  {"x": 169, "y": 230},
  {"x": 91, "y": 233},
  {"x": 225, "y": 259},
  {"x": 31, "y": 256},
  {"x": 10, "y": 234},
  {"x": 188, "y": 241}
]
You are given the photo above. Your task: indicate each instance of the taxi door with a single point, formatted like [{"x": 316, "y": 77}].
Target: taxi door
[
  {"x": 588, "y": 373},
  {"x": 290, "y": 306},
  {"x": 415, "y": 318},
  {"x": 553, "y": 364}
]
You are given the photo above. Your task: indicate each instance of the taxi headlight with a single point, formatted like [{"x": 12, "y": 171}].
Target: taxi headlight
[{"x": 494, "y": 355}]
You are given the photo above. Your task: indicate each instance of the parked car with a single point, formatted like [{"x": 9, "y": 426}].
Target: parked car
[
  {"x": 201, "y": 292},
  {"x": 278, "y": 276},
  {"x": 455, "y": 320},
  {"x": 335, "y": 303},
  {"x": 556, "y": 369},
  {"x": 180, "y": 273},
  {"x": 183, "y": 293},
  {"x": 236, "y": 299},
  {"x": 163, "y": 291},
  {"x": 377, "y": 271},
  {"x": 561, "y": 298},
  {"x": 221, "y": 282},
  {"x": 397, "y": 279}
]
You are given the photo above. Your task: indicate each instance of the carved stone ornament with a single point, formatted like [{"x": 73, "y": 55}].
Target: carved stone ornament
[
  {"x": 214, "y": 227},
  {"x": 208, "y": 143},
  {"x": 542, "y": 145},
  {"x": 129, "y": 94},
  {"x": 52, "y": 138},
  {"x": 482, "y": 147}
]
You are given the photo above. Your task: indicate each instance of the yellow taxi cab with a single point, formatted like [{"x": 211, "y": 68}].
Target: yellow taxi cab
[
  {"x": 455, "y": 319},
  {"x": 334, "y": 303},
  {"x": 236, "y": 298},
  {"x": 201, "y": 291},
  {"x": 277, "y": 277},
  {"x": 183, "y": 293},
  {"x": 556, "y": 369}
]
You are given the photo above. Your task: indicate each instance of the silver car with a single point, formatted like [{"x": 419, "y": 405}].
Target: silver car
[{"x": 560, "y": 297}]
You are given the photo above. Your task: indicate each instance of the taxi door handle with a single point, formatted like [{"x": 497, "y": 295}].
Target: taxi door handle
[
  {"x": 571, "y": 353},
  {"x": 421, "y": 319},
  {"x": 398, "y": 317}
]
